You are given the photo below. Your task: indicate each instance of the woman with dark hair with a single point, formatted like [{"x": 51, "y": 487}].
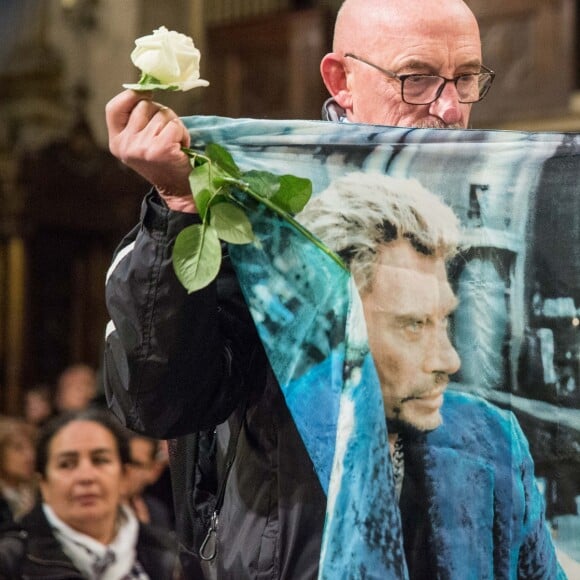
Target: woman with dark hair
[{"x": 81, "y": 529}]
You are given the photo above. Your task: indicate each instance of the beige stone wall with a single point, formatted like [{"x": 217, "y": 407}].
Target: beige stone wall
[{"x": 97, "y": 56}]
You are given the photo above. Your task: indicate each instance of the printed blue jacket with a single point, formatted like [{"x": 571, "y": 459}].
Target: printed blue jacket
[{"x": 485, "y": 512}]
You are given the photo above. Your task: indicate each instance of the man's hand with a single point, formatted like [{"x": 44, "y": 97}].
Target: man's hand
[{"x": 148, "y": 137}]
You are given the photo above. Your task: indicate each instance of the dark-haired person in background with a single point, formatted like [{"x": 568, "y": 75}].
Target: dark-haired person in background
[
  {"x": 143, "y": 471},
  {"x": 81, "y": 529}
]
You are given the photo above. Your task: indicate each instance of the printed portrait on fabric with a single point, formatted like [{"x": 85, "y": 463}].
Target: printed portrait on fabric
[{"x": 501, "y": 314}]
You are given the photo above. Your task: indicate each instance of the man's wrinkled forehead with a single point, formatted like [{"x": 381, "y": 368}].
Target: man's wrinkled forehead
[
  {"x": 404, "y": 278},
  {"x": 407, "y": 290},
  {"x": 376, "y": 26}
]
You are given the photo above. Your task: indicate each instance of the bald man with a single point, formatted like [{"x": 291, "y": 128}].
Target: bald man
[
  {"x": 178, "y": 364},
  {"x": 379, "y": 43}
]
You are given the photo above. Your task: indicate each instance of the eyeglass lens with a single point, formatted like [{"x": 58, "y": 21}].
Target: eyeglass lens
[{"x": 424, "y": 89}]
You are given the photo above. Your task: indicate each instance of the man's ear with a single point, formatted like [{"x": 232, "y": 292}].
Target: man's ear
[{"x": 334, "y": 77}]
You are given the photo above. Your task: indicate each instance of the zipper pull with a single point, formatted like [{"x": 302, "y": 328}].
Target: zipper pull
[{"x": 208, "y": 548}]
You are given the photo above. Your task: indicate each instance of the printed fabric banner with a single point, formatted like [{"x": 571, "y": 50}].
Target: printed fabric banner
[{"x": 514, "y": 325}]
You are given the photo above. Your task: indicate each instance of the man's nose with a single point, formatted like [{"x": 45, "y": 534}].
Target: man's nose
[
  {"x": 447, "y": 106},
  {"x": 442, "y": 357}
]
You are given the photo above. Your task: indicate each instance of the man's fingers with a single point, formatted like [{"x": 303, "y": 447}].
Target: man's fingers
[
  {"x": 119, "y": 109},
  {"x": 176, "y": 131},
  {"x": 170, "y": 139},
  {"x": 140, "y": 117},
  {"x": 148, "y": 137},
  {"x": 148, "y": 116}
]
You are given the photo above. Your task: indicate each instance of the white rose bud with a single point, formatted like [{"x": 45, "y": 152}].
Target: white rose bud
[{"x": 168, "y": 60}]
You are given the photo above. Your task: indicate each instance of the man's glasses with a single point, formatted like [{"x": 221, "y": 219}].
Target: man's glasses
[{"x": 421, "y": 89}]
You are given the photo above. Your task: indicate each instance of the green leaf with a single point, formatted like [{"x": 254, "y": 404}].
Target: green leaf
[
  {"x": 293, "y": 194},
  {"x": 219, "y": 198},
  {"x": 199, "y": 179},
  {"x": 150, "y": 83},
  {"x": 203, "y": 199},
  {"x": 223, "y": 159},
  {"x": 149, "y": 80},
  {"x": 150, "y": 87},
  {"x": 197, "y": 256},
  {"x": 263, "y": 183},
  {"x": 231, "y": 223}
]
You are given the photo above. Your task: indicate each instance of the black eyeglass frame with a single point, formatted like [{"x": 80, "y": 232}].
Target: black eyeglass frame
[{"x": 402, "y": 78}]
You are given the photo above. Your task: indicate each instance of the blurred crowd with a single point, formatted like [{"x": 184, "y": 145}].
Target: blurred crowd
[{"x": 71, "y": 473}]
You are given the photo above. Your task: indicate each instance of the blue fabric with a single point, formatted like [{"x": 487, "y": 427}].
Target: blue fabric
[
  {"x": 482, "y": 495},
  {"x": 309, "y": 318}
]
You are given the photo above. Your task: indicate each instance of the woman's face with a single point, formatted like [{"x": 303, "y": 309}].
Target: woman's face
[
  {"x": 18, "y": 460},
  {"x": 84, "y": 476}
]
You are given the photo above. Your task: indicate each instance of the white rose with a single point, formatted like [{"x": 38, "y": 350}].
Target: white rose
[{"x": 170, "y": 58}]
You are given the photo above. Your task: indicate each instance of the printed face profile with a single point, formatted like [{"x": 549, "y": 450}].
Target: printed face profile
[{"x": 407, "y": 310}]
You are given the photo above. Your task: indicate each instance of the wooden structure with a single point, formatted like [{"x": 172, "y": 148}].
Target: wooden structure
[
  {"x": 268, "y": 66},
  {"x": 531, "y": 46}
]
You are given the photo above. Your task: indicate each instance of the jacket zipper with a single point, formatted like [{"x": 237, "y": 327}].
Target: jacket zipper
[{"x": 208, "y": 549}]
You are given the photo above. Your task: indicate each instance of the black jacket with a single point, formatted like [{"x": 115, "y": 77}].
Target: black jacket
[
  {"x": 5, "y": 512},
  {"x": 29, "y": 550},
  {"x": 177, "y": 364}
]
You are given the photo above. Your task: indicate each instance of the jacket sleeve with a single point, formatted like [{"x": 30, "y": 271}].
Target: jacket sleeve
[
  {"x": 537, "y": 556},
  {"x": 174, "y": 363}
]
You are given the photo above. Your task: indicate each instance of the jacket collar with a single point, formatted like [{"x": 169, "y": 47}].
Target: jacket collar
[
  {"x": 44, "y": 553},
  {"x": 332, "y": 111}
]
